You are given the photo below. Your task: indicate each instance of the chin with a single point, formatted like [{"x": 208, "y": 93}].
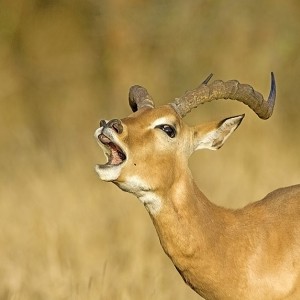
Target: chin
[{"x": 108, "y": 172}]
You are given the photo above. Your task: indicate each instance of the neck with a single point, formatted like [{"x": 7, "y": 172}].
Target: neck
[{"x": 190, "y": 228}]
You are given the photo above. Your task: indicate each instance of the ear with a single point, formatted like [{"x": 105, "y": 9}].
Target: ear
[{"x": 213, "y": 135}]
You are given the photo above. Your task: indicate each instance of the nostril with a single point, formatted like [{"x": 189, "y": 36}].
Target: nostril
[
  {"x": 102, "y": 123},
  {"x": 118, "y": 128},
  {"x": 116, "y": 125}
]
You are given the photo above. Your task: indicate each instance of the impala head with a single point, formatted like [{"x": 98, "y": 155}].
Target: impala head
[{"x": 149, "y": 149}]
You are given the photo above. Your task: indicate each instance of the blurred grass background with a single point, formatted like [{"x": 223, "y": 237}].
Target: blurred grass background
[{"x": 65, "y": 64}]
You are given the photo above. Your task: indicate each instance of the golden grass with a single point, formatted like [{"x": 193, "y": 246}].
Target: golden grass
[{"x": 64, "y": 234}]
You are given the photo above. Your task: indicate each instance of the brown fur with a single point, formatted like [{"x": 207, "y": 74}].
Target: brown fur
[{"x": 250, "y": 253}]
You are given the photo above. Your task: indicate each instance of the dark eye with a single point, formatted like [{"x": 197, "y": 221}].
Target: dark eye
[{"x": 168, "y": 129}]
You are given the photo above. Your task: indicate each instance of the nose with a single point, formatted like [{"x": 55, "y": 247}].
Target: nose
[
  {"x": 102, "y": 123},
  {"x": 114, "y": 124}
]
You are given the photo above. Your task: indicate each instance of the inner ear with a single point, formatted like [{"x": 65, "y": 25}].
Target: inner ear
[{"x": 214, "y": 134}]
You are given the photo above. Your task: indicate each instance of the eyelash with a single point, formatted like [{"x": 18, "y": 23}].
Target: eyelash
[{"x": 168, "y": 129}]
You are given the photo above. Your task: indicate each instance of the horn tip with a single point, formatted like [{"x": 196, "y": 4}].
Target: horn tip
[
  {"x": 272, "y": 94},
  {"x": 208, "y": 78}
]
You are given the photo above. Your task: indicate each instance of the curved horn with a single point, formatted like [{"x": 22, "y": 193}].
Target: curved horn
[
  {"x": 232, "y": 90},
  {"x": 139, "y": 97}
]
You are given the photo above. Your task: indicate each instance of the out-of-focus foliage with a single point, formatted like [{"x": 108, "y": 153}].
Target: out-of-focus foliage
[{"x": 66, "y": 64}]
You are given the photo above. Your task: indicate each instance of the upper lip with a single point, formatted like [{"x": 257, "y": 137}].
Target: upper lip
[{"x": 114, "y": 152}]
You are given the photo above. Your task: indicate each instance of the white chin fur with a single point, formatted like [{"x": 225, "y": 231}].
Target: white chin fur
[{"x": 108, "y": 173}]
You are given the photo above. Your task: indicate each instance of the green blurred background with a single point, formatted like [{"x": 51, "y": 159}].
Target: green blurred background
[{"x": 64, "y": 65}]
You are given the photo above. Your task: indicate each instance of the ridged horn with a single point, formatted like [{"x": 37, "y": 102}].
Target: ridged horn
[
  {"x": 139, "y": 97},
  {"x": 232, "y": 90}
]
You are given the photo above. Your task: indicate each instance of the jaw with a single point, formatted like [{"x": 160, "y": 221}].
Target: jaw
[{"x": 115, "y": 153}]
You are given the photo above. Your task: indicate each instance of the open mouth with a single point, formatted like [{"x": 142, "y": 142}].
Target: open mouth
[{"x": 114, "y": 152}]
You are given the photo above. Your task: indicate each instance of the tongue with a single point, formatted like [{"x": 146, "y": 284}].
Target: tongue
[{"x": 104, "y": 139}]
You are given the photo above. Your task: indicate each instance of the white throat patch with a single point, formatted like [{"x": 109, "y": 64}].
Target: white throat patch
[
  {"x": 143, "y": 192},
  {"x": 152, "y": 202}
]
